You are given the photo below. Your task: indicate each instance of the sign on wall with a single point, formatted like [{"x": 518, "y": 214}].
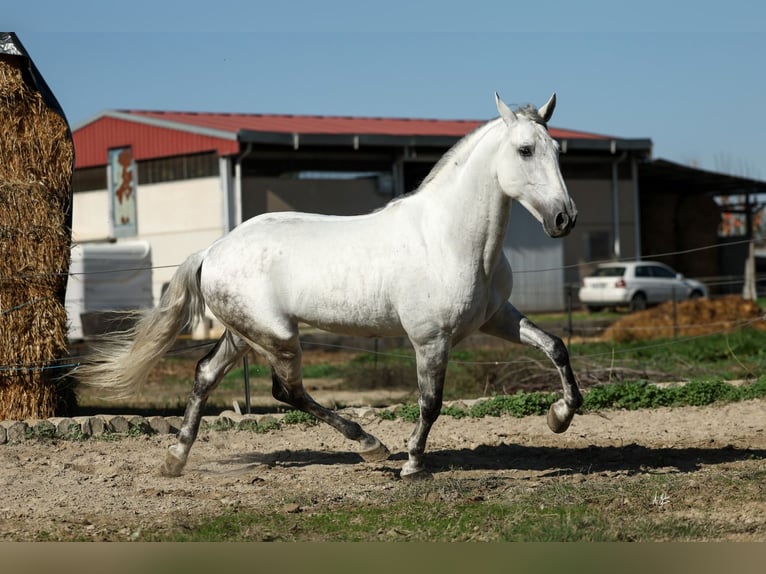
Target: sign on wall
[{"x": 123, "y": 182}]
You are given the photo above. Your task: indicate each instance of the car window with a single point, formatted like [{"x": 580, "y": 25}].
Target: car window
[
  {"x": 609, "y": 272},
  {"x": 642, "y": 271},
  {"x": 663, "y": 272}
]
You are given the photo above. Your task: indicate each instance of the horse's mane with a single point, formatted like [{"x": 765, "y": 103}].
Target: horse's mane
[{"x": 528, "y": 111}]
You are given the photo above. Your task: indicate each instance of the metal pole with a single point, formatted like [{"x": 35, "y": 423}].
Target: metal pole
[
  {"x": 675, "y": 313},
  {"x": 636, "y": 209},
  {"x": 246, "y": 366},
  {"x": 569, "y": 315},
  {"x": 616, "y": 247}
]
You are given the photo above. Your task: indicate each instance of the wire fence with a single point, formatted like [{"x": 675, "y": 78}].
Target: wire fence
[{"x": 69, "y": 363}]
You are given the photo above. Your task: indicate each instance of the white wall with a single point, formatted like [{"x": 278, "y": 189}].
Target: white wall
[
  {"x": 176, "y": 218},
  {"x": 530, "y": 251}
]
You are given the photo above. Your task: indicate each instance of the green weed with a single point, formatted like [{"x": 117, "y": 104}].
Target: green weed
[{"x": 299, "y": 417}]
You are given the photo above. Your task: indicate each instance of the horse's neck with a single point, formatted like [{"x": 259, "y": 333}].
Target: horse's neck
[{"x": 465, "y": 203}]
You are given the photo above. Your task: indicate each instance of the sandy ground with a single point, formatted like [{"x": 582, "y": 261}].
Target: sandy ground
[{"x": 112, "y": 490}]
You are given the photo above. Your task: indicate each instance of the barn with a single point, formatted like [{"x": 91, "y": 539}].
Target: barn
[{"x": 180, "y": 180}]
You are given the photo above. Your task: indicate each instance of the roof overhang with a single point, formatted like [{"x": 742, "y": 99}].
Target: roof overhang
[
  {"x": 666, "y": 176},
  {"x": 296, "y": 140},
  {"x": 344, "y": 140}
]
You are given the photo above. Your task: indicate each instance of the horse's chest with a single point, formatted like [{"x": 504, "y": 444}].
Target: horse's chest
[{"x": 457, "y": 303}]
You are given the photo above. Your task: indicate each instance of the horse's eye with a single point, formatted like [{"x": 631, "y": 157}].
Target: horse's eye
[{"x": 526, "y": 151}]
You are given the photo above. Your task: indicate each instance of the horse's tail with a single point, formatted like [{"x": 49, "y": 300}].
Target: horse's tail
[{"x": 122, "y": 361}]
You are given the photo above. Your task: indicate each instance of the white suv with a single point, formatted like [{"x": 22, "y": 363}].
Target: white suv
[{"x": 636, "y": 284}]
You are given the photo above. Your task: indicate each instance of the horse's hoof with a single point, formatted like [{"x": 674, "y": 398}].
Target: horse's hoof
[
  {"x": 411, "y": 471},
  {"x": 172, "y": 466},
  {"x": 375, "y": 454},
  {"x": 560, "y": 415}
]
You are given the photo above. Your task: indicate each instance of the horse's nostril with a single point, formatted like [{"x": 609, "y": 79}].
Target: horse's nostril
[{"x": 561, "y": 220}]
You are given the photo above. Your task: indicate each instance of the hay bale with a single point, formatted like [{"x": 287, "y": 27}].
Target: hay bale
[
  {"x": 691, "y": 318},
  {"x": 36, "y": 167}
]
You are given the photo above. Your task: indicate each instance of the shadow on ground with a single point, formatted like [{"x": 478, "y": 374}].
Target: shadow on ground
[{"x": 631, "y": 459}]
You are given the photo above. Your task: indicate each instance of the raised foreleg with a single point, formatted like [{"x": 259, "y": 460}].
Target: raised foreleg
[{"x": 509, "y": 324}]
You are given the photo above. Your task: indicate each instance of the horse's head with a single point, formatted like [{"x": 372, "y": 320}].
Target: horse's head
[{"x": 527, "y": 167}]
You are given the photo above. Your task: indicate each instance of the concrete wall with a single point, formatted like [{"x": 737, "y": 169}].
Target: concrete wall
[
  {"x": 177, "y": 218},
  {"x": 593, "y": 198},
  {"x": 536, "y": 260},
  {"x": 329, "y": 196}
]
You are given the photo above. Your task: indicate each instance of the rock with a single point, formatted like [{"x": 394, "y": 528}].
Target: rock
[
  {"x": 159, "y": 425},
  {"x": 175, "y": 424},
  {"x": 42, "y": 428},
  {"x": 16, "y": 431},
  {"x": 139, "y": 424},
  {"x": 230, "y": 418},
  {"x": 117, "y": 424},
  {"x": 66, "y": 427},
  {"x": 92, "y": 426}
]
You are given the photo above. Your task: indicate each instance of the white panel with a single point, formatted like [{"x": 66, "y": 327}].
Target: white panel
[
  {"x": 90, "y": 215},
  {"x": 175, "y": 218},
  {"x": 180, "y": 206},
  {"x": 537, "y": 261}
]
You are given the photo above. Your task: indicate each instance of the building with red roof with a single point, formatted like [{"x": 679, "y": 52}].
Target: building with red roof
[{"x": 195, "y": 176}]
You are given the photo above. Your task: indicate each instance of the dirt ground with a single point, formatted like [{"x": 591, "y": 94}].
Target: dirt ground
[
  {"x": 112, "y": 490},
  {"x": 100, "y": 489}
]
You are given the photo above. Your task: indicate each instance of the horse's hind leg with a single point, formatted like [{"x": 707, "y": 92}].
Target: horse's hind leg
[
  {"x": 210, "y": 370},
  {"x": 508, "y": 323},
  {"x": 287, "y": 386}
]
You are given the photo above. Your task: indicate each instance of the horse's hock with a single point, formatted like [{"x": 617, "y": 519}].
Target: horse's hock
[{"x": 36, "y": 167}]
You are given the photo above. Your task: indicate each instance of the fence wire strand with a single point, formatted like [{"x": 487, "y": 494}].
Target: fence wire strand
[{"x": 69, "y": 364}]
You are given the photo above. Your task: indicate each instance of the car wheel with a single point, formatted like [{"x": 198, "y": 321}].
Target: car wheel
[
  {"x": 638, "y": 302},
  {"x": 593, "y": 309},
  {"x": 696, "y": 294}
]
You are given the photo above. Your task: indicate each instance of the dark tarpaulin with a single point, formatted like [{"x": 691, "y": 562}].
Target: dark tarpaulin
[{"x": 10, "y": 45}]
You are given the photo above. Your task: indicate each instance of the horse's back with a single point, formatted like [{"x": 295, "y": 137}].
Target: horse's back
[{"x": 334, "y": 272}]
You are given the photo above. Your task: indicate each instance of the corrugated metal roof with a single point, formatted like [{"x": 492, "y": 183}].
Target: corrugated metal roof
[
  {"x": 154, "y": 134},
  {"x": 333, "y": 124}
]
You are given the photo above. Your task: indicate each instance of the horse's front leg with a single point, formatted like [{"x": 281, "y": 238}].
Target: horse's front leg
[
  {"x": 509, "y": 324},
  {"x": 432, "y": 365}
]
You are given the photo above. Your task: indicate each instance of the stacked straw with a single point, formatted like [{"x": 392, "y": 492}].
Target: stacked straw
[{"x": 36, "y": 163}]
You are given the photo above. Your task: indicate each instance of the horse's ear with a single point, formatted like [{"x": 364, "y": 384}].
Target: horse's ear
[
  {"x": 505, "y": 112},
  {"x": 546, "y": 111}
]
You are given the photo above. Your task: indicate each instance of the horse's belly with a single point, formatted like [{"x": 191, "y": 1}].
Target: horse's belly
[{"x": 346, "y": 309}]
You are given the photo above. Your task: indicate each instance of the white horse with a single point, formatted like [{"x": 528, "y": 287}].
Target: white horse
[{"x": 429, "y": 265}]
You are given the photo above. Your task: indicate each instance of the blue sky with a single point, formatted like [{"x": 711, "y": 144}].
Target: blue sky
[{"x": 688, "y": 75}]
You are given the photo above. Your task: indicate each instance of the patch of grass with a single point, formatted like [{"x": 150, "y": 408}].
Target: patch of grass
[
  {"x": 633, "y": 395},
  {"x": 628, "y": 395},
  {"x": 408, "y": 412},
  {"x": 386, "y": 415},
  {"x": 739, "y": 354},
  {"x": 643, "y": 507},
  {"x": 519, "y": 405},
  {"x": 454, "y": 412},
  {"x": 299, "y": 417}
]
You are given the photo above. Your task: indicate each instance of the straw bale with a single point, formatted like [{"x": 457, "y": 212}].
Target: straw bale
[
  {"x": 690, "y": 318},
  {"x": 36, "y": 165}
]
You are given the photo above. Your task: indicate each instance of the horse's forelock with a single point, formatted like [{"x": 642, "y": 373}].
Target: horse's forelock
[{"x": 531, "y": 113}]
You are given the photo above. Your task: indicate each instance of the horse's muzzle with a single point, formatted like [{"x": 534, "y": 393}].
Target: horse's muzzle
[{"x": 562, "y": 224}]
